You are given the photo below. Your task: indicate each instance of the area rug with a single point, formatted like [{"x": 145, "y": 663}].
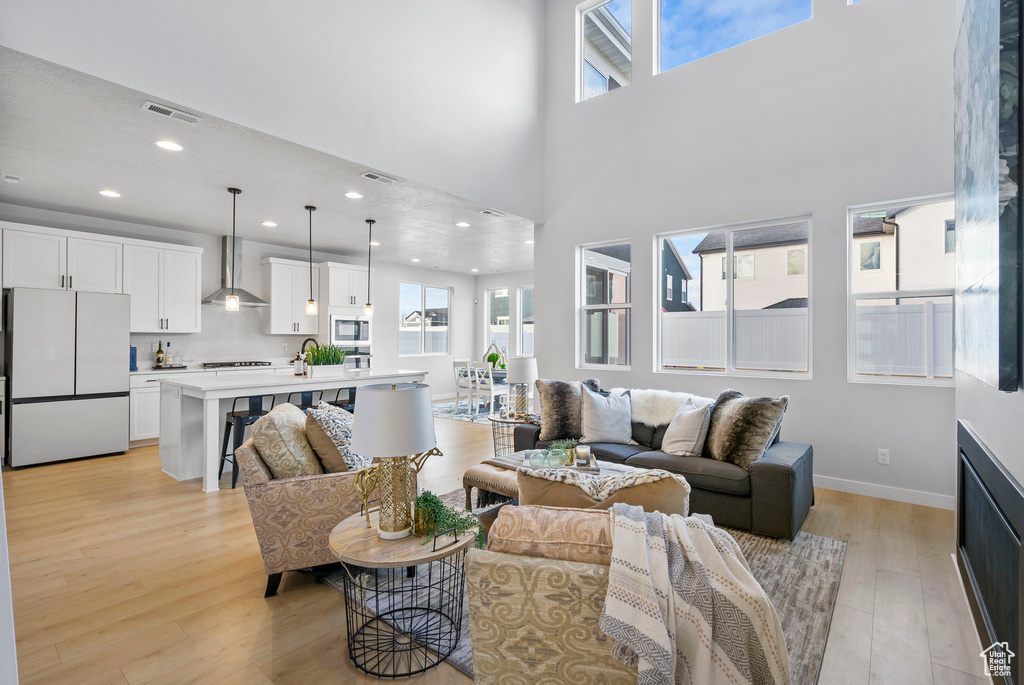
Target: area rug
[
  {"x": 800, "y": 576},
  {"x": 448, "y": 410}
]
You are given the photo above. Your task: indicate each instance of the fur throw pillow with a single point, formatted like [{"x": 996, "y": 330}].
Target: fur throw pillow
[
  {"x": 742, "y": 428},
  {"x": 561, "y": 408},
  {"x": 658, "y": 407}
]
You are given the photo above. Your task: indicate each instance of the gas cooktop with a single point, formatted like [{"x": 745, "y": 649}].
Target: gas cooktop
[{"x": 221, "y": 365}]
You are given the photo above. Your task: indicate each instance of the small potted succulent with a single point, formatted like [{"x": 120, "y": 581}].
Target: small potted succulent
[
  {"x": 325, "y": 361},
  {"x": 567, "y": 445}
]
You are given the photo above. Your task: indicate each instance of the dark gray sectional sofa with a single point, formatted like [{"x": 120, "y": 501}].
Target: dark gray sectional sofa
[{"x": 773, "y": 498}]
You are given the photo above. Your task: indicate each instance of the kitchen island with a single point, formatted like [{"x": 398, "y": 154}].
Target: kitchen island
[{"x": 192, "y": 412}]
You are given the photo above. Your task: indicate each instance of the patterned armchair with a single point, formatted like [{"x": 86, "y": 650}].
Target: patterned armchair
[
  {"x": 294, "y": 517},
  {"x": 535, "y": 599}
]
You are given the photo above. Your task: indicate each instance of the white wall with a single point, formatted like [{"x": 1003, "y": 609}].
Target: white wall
[
  {"x": 239, "y": 335},
  {"x": 809, "y": 120},
  {"x": 448, "y": 94}
]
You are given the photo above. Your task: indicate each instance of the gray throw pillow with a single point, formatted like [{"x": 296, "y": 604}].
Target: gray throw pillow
[
  {"x": 606, "y": 419},
  {"x": 685, "y": 436},
  {"x": 561, "y": 408},
  {"x": 742, "y": 428}
]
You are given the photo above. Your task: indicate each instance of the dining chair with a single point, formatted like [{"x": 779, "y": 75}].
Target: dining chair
[
  {"x": 465, "y": 384},
  {"x": 484, "y": 385}
]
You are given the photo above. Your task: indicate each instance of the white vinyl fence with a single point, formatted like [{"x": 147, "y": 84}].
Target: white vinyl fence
[
  {"x": 909, "y": 339},
  {"x": 435, "y": 340},
  {"x": 913, "y": 339}
]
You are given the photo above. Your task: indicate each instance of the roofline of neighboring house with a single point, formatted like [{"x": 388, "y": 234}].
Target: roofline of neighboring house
[
  {"x": 682, "y": 264},
  {"x": 754, "y": 246}
]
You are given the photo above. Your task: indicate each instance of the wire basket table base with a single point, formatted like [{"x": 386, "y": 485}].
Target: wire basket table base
[{"x": 404, "y": 621}]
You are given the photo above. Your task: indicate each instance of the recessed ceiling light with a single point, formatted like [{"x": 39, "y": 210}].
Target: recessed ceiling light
[
  {"x": 474, "y": 270},
  {"x": 529, "y": 242},
  {"x": 169, "y": 145},
  {"x": 269, "y": 224},
  {"x": 353, "y": 195},
  {"x": 375, "y": 243},
  {"x": 462, "y": 224},
  {"x": 414, "y": 260},
  {"x": 110, "y": 193}
]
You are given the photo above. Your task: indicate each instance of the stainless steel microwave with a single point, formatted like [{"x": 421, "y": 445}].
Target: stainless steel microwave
[{"x": 347, "y": 331}]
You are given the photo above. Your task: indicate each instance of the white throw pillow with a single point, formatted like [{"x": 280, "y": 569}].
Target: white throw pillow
[
  {"x": 685, "y": 436},
  {"x": 606, "y": 419}
]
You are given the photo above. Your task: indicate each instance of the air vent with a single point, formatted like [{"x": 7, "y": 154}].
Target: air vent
[
  {"x": 166, "y": 111},
  {"x": 10, "y": 178},
  {"x": 491, "y": 212},
  {"x": 379, "y": 178}
]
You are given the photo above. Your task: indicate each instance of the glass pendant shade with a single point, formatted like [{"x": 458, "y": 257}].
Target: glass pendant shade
[
  {"x": 231, "y": 302},
  {"x": 368, "y": 310},
  {"x": 311, "y": 307}
]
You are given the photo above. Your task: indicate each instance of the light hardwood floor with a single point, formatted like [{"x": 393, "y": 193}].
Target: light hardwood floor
[{"x": 122, "y": 575}]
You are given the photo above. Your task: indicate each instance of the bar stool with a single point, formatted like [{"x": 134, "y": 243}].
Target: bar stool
[
  {"x": 306, "y": 398},
  {"x": 238, "y": 420},
  {"x": 349, "y": 401}
]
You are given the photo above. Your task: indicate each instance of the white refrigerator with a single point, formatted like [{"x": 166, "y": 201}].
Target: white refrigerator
[{"x": 67, "y": 365}]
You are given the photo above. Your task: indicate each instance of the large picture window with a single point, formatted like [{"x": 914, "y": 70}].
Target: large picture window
[
  {"x": 605, "y": 304},
  {"x": 691, "y": 29},
  {"x": 498, "y": 317},
  {"x": 902, "y": 275},
  {"x": 424, "y": 313},
  {"x": 606, "y": 50},
  {"x": 754, "y": 318}
]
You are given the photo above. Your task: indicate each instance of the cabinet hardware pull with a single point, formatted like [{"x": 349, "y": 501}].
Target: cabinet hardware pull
[
  {"x": 62, "y": 280},
  {"x": 71, "y": 280}
]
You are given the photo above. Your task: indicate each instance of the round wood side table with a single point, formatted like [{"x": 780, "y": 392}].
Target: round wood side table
[{"x": 403, "y": 598}]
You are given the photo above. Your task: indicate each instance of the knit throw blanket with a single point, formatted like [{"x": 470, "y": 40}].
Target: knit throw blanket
[{"x": 683, "y": 607}]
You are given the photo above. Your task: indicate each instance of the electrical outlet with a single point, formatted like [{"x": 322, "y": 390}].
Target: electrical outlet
[
  {"x": 284, "y": 347},
  {"x": 883, "y": 456}
]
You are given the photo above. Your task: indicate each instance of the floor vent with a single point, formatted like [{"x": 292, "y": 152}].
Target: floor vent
[
  {"x": 10, "y": 178},
  {"x": 492, "y": 212},
  {"x": 166, "y": 111},
  {"x": 379, "y": 178}
]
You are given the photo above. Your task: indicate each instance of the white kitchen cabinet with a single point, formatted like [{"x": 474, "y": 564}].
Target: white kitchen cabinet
[
  {"x": 56, "y": 261},
  {"x": 287, "y": 284},
  {"x": 94, "y": 265},
  {"x": 35, "y": 260},
  {"x": 165, "y": 289},
  {"x": 346, "y": 286},
  {"x": 144, "y": 413}
]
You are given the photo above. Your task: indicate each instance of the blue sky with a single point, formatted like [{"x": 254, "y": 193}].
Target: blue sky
[{"x": 691, "y": 29}]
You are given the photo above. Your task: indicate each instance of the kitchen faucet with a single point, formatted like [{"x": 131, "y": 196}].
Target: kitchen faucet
[{"x": 302, "y": 351}]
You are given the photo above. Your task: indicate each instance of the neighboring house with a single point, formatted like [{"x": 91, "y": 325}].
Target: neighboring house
[
  {"x": 607, "y": 53},
  {"x": 770, "y": 269},
  {"x": 435, "y": 318},
  {"x": 921, "y": 238},
  {"x": 675, "y": 280}
]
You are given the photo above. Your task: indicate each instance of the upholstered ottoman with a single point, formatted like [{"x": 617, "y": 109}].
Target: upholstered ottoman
[{"x": 488, "y": 479}]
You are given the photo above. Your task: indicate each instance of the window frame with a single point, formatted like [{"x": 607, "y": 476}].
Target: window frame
[
  {"x": 730, "y": 353},
  {"x": 668, "y": 288},
  {"x": 522, "y": 324},
  {"x": 579, "y": 53},
  {"x": 423, "y": 327},
  {"x": 582, "y": 307},
  {"x": 946, "y": 252},
  {"x": 513, "y": 312},
  {"x": 851, "y": 298},
  {"x": 791, "y": 251}
]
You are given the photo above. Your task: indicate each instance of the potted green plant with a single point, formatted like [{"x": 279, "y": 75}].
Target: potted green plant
[
  {"x": 493, "y": 358},
  {"x": 325, "y": 361},
  {"x": 567, "y": 445},
  {"x": 431, "y": 517}
]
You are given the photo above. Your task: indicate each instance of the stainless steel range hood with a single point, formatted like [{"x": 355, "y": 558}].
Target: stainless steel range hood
[{"x": 245, "y": 298}]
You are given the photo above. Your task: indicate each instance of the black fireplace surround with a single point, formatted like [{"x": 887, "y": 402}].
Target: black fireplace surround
[{"x": 989, "y": 524}]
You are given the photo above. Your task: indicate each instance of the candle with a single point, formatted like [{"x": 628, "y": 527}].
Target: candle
[{"x": 582, "y": 455}]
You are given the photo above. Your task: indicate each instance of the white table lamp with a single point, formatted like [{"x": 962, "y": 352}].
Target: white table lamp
[
  {"x": 522, "y": 373},
  {"x": 395, "y": 424}
]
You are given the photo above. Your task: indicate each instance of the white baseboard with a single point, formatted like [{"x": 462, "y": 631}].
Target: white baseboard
[
  {"x": 443, "y": 396},
  {"x": 856, "y": 487}
]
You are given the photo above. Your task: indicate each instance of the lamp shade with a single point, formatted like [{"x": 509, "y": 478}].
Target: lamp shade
[
  {"x": 393, "y": 420},
  {"x": 522, "y": 370}
]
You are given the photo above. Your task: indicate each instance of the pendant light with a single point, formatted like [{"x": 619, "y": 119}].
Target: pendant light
[
  {"x": 368, "y": 310},
  {"x": 231, "y": 299},
  {"x": 310, "y": 303}
]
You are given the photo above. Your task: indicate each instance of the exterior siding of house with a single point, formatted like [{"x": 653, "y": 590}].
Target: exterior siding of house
[{"x": 771, "y": 283}]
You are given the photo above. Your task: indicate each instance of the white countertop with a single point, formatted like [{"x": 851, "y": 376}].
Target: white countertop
[
  {"x": 279, "y": 380},
  {"x": 201, "y": 369}
]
